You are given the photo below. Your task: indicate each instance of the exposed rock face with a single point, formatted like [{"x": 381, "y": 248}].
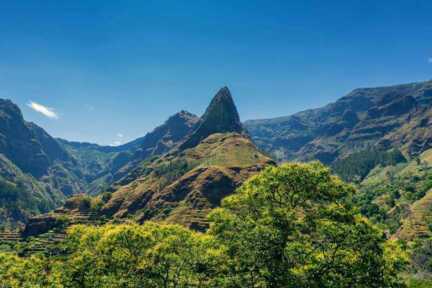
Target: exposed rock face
[
  {"x": 41, "y": 224},
  {"x": 26, "y": 144},
  {"x": 35, "y": 164},
  {"x": 185, "y": 184},
  {"x": 164, "y": 137},
  {"x": 221, "y": 116},
  {"x": 188, "y": 182},
  {"x": 107, "y": 164},
  {"x": 387, "y": 117}
]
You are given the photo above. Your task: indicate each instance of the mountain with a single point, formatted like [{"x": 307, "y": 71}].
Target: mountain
[
  {"x": 36, "y": 173},
  {"x": 166, "y": 136},
  {"x": 183, "y": 168},
  {"x": 398, "y": 196},
  {"x": 26, "y": 144},
  {"x": 102, "y": 165},
  {"x": 383, "y": 118},
  {"x": 183, "y": 185},
  {"x": 379, "y": 139},
  {"x": 220, "y": 116},
  {"x": 178, "y": 172}
]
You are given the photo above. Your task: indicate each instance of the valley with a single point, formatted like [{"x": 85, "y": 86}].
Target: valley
[{"x": 377, "y": 139}]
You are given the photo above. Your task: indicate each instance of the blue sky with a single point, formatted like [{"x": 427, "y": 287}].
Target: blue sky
[{"x": 110, "y": 71}]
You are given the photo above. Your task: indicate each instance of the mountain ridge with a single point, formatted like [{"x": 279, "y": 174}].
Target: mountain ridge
[
  {"x": 354, "y": 122},
  {"x": 47, "y": 170},
  {"x": 216, "y": 155},
  {"x": 184, "y": 184},
  {"x": 36, "y": 173},
  {"x": 220, "y": 116}
]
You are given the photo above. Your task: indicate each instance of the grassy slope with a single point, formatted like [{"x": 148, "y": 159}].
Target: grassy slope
[
  {"x": 176, "y": 184},
  {"x": 418, "y": 221},
  {"x": 403, "y": 195},
  {"x": 22, "y": 195}
]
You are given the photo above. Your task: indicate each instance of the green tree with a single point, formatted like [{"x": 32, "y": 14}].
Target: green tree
[
  {"x": 294, "y": 226},
  {"x": 18, "y": 272},
  {"x": 131, "y": 255}
]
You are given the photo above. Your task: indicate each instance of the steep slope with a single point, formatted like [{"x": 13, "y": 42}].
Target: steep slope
[
  {"x": 188, "y": 182},
  {"x": 183, "y": 185},
  {"x": 102, "y": 165},
  {"x": 166, "y": 136},
  {"x": 418, "y": 220},
  {"x": 162, "y": 139},
  {"x": 26, "y": 144},
  {"x": 21, "y": 195},
  {"x": 220, "y": 116},
  {"x": 383, "y": 118},
  {"x": 42, "y": 171},
  {"x": 378, "y": 138},
  {"x": 36, "y": 172},
  {"x": 398, "y": 196}
]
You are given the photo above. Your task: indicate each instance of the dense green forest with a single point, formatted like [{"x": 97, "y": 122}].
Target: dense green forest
[{"x": 289, "y": 226}]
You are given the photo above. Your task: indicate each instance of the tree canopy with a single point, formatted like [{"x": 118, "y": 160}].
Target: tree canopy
[{"x": 289, "y": 226}]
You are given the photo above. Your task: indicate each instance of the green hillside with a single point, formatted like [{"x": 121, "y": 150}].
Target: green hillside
[
  {"x": 395, "y": 117},
  {"x": 21, "y": 195},
  {"x": 288, "y": 226},
  {"x": 183, "y": 185},
  {"x": 194, "y": 179}
]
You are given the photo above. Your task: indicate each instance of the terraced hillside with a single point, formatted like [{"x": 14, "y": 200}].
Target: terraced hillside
[
  {"x": 398, "y": 196},
  {"x": 183, "y": 185},
  {"x": 45, "y": 233},
  {"x": 418, "y": 221},
  {"x": 38, "y": 172},
  {"x": 190, "y": 181}
]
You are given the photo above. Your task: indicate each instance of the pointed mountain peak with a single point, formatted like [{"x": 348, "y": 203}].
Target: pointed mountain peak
[
  {"x": 223, "y": 93},
  {"x": 221, "y": 116}
]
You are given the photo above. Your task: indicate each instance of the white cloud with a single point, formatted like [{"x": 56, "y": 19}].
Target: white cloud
[
  {"x": 116, "y": 143},
  {"x": 120, "y": 135},
  {"x": 44, "y": 110}
]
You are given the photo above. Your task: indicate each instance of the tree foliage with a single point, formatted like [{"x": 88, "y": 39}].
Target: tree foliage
[
  {"x": 356, "y": 166},
  {"x": 294, "y": 226},
  {"x": 289, "y": 226}
]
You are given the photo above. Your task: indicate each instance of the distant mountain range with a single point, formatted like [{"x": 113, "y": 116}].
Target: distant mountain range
[
  {"x": 178, "y": 172},
  {"x": 378, "y": 138},
  {"x": 384, "y": 117},
  {"x": 44, "y": 171},
  {"x": 184, "y": 167}
]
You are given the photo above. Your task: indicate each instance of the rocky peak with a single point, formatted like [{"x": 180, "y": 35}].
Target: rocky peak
[
  {"x": 27, "y": 145},
  {"x": 221, "y": 116},
  {"x": 183, "y": 117},
  {"x": 7, "y": 107}
]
